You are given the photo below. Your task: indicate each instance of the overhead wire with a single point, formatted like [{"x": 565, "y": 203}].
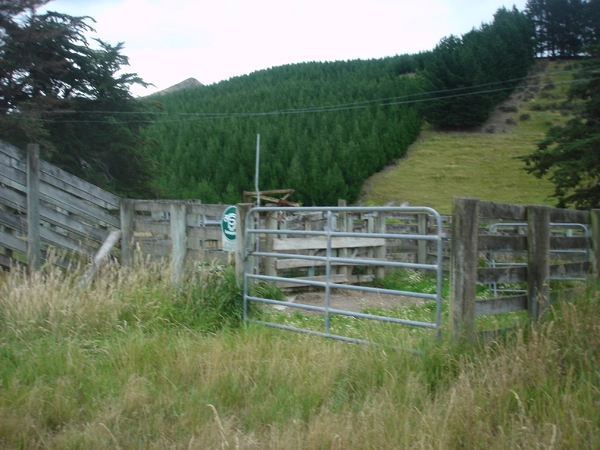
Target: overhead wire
[{"x": 418, "y": 97}]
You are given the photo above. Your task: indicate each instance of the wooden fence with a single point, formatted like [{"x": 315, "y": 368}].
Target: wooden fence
[
  {"x": 42, "y": 206},
  {"x": 183, "y": 231},
  {"x": 469, "y": 240}
]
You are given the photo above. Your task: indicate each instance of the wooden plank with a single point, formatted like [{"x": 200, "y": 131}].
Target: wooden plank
[
  {"x": 194, "y": 207},
  {"x": 7, "y": 262},
  {"x": 13, "y": 242},
  {"x": 196, "y": 220},
  {"x": 15, "y": 200},
  {"x": 155, "y": 248},
  {"x": 514, "y": 243},
  {"x": 208, "y": 233},
  {"x": 500, "y": 305},
  {"x": 207, "y": 210},
  {"x": 13, "y": 178},
  {"x": 569, "y": 243},
  {"x": 506, "y": 211},
  {"x": 162, "y": 206},
  {"x": 570, "y": 270},
  {"x": 12, "y": 151},
  {"x": 6, "y": 160},
  {"x": 502, "y": 243},
  {"x": 488, "y": 275},
  {"x": 198, "y": 244},
  {"x": 62, "y": 262},
  {"x": 569, "y": 216},
  {"x": 311, "y": 243},
  {"x": 158, "y": 229}
]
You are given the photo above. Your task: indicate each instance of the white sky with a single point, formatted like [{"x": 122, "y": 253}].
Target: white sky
[{"x": 168, "y": 41}]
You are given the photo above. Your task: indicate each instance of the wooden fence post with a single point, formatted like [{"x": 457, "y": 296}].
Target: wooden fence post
[
  {"x": 240, "y": 239},
  {"x": 538, "y": 260},
  {"x": 370, "y": 250},
  {"x": 463, "y": 271},
  {"x": 127, "y": 229},
  {"x": 595, "y": 244},
  {"x": 271, "y": 224},
  {"x": 421, "y": 244},
  {"x": 5, "y": 251},
  {"x": 345, "y": 271},
  {"x": 380, "y": 251},
  {"x": 34, "y": 252},
  {"x": 178, "y": 222}
]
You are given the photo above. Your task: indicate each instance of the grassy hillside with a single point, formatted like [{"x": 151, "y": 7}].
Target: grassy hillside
[
  {"x": 126, "y": 364},
  {"x": 481, "y": 163}
]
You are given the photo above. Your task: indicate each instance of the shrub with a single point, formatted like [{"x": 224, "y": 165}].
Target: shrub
[{"x": 549, "y": 85}]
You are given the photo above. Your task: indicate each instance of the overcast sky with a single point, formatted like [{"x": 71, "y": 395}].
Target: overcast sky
[{"x": 168, "y": 41}]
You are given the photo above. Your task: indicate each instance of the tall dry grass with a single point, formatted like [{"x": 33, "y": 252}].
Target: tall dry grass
[{"x": 127, "y": 363}]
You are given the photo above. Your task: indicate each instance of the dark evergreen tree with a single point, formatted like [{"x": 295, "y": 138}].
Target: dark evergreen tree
[
  {"x": 570, "y": 154},
  {"x": 563, "y": 28},
  {"x": 466, "y": 77},
  {"x": 58, "y": 91},
  {"x": 322, "y": 153}
]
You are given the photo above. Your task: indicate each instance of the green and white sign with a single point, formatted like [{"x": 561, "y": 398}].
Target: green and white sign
[{"x": 229, "y": 229}]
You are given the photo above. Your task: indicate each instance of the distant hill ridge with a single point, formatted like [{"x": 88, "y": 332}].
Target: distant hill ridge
[{"x": 185, "y": 84}]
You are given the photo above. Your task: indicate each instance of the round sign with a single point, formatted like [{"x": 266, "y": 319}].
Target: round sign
[{"x": 228, "y": 223}]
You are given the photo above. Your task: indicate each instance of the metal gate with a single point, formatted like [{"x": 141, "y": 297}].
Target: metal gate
[{"x": 333, "y": 251}]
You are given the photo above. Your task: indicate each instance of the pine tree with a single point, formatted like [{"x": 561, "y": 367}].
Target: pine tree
[{"x": 58, "y": 91}]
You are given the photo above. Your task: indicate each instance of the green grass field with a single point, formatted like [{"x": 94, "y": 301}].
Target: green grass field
[{"x": 479, "y": 163}]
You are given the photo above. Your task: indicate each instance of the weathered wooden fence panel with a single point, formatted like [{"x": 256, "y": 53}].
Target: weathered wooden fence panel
[
  {"x": 182, "y": 230},
  {"x": 44, "y": 207}
]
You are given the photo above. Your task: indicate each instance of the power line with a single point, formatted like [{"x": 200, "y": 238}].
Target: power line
[{"x": 419, "y": 97}]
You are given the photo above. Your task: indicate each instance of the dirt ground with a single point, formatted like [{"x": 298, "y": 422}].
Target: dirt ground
[{"x": 349, "y": 300}]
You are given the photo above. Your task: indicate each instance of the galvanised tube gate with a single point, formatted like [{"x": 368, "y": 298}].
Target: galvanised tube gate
[{"x": 331, "y": 233}]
